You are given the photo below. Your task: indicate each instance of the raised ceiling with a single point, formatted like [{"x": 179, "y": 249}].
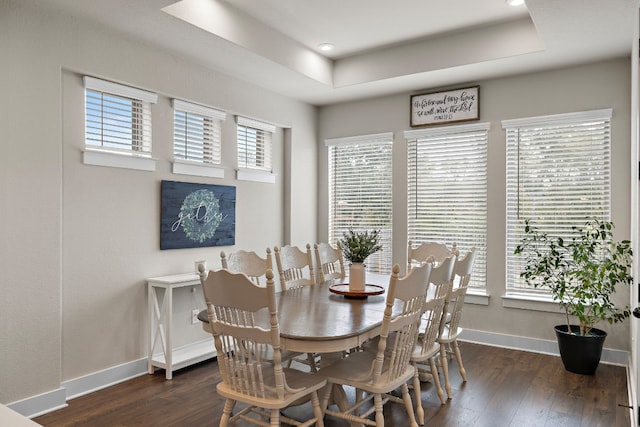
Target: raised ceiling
[{"x": 382, "y": 47}]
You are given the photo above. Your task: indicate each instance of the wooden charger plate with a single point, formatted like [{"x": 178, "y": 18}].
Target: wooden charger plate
[{"x": 343, "y": 289}]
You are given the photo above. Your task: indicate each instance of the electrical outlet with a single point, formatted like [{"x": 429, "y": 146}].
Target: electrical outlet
[{"x": 194, "y": 316}]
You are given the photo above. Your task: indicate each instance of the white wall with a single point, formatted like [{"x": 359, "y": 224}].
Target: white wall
[
  {"x": 594, "y": 86},
  {"x": 78, "y": 241}
]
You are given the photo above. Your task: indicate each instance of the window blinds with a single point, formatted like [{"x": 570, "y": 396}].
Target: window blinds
[
  {"x": 447, "y": 189},
  {"x": 254, "y": 139},
  {"x": 558, "y": 174},
  {"x": 197, "y": 132},
  {"x": 117, "y": 117},
  {"x": 360, "y": 192}
]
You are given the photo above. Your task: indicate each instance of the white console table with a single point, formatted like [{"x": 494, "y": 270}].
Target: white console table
[{"x": 160, "y": 305}]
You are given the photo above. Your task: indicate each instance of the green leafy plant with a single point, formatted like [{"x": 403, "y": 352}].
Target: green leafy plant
[
  {"x": 581, "y": 274},
  {"x": 356, "y": 246}
]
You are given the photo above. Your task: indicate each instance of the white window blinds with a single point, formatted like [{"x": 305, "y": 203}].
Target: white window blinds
[
  {"x": 360, "y": 193},
  {"x": 197, "y": 133},
  {"x": 117, "y": 117},
  {"x": 447, "y": 189},
  {"x": 558, "y": 174},
  {"x": 254, "y": 143}
]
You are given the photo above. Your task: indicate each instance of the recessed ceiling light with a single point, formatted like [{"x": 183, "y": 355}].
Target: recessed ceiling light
[
  {"x": 515, "y": 2},
  {"x": 325, "y": 47}
]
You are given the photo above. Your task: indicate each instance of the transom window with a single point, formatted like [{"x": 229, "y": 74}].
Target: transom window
[
  {"x": 558, "y": 174},
  {"x": 447, "y": 189},
  {"x": 360, "y": 192},
  {"x": 117, "y": 117},
  {"x": 197, "y": 134},
  {"x": 254, "y": 144}
]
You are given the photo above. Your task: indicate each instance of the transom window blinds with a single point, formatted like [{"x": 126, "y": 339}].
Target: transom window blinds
[
  {"x": 197, "y": 132},
  {"x": 254, "y": 143},
  {"x": 447, "y": 189},
  {"x": 558, "y": 173},
  {"x": 117, "y": 117},
  {"x": 360, "y": 193}
]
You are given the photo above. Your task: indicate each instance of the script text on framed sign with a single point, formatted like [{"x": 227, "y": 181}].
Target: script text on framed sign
[{"x": 457, "y": 105}]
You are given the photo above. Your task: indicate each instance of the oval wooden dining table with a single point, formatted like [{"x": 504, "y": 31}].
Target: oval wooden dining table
[{"x": 312, "y": 319}]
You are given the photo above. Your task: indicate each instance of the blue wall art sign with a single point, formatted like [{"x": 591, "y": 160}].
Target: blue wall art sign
[{"x": 197, "y": 215}]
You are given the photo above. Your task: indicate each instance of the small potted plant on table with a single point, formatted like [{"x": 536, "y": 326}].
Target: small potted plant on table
[
  {"x": 356, "y": 246},
  {"x": 582, "y": 275}
]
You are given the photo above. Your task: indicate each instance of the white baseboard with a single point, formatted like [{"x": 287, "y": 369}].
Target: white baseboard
[
  {"x": 56, "y": 399},
  {"x": 536, "y": 345},
  {"x": 98, "y": 380},
  {"x": 40, "y": 404},
  {"x": 47, "y": 402}
]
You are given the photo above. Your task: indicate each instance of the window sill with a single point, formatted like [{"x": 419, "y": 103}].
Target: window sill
[
  {"x": 118, "y": 160},
  {"x": 531, "y": 302},
  {"x": 197, "y": 169},
  {"x": 477, "y": 297},
  {"x": 255, "y": 176}
]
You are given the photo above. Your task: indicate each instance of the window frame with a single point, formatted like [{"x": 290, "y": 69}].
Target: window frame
[
  {"x": 137, "y": 154},
  {"x": 380, "y": 261},
  {"x": 211, "y": 140},
  {"x": 458, "y": 149},
  {"x": 571, "y": 131}
]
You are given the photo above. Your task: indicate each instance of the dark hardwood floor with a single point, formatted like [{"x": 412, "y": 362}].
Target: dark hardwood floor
[{"x": 505, "y": 388}]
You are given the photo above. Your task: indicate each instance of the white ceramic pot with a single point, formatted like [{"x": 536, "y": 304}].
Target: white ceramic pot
[{"x": 357, "y": 277}]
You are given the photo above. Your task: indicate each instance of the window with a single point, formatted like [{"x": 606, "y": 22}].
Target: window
[
  {"x": 558, "y": 173},
  {"x": 360, "y": 191},
  {"x": 197, "y": 139},
  {"x": 254, "y": 144},
  {"x": 117, "y": 118},
  {"x": 447, "y": 189},
  {"x": 197, "y": 133}
]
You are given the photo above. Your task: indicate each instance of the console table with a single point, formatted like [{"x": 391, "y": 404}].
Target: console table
[{"x": 160, "y": 305}]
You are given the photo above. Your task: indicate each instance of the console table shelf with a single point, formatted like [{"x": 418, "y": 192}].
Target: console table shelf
[{"x": 160, "y": 306}]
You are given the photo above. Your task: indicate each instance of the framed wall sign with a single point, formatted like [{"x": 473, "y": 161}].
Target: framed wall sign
[
  {"x": 197, "y": 215},
  {"x": 458, "y": 105}
]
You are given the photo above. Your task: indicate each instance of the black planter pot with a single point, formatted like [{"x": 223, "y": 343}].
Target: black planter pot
[{"x": 580, "y": 353}]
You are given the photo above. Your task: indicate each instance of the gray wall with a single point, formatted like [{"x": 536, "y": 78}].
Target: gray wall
[
  {"x": 78, "y": 241},
  {"x": 594, "y": 86}
]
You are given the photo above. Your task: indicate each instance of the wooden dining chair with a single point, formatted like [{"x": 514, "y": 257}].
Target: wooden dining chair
[
  {"x": 434, "y": 251},
  {"x": 249, "y": 263},
  {"x": 426, "y": 352},
  {"x": 427, "y": 348},
  {"x": 463, "y": 269},
  {"x": 329, "y": 263},
  {"x": 295, "y": 267},
  {"x": 244, "y": 322},
  {"x": 450, "y": 325},
  {"x": 377, "y": 374}
]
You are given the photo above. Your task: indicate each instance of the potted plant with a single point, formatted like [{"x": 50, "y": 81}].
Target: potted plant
[
  {"x": 356, "y": 246},
  {"x": 582, "y": 275}
]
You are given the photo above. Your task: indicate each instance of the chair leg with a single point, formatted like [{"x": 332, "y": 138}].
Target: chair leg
[
  {"x": 226, "y": 412},
  {"x": 456, "y": 350},
  {"x": 436, "y": 380},
  {"x": 275, "y": 418},
  {"x": 318, "y": 412},
  {"x": 418, "y": 395},
  {"x": 445, "y": 370},
  {"x": 377, "y": 402},
  {"x": 408, "y": 404},
  {"x": 325, "y": 394}
]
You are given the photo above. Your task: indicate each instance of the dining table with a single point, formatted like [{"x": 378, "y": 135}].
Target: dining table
[{"x": 313, "y": 319}]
